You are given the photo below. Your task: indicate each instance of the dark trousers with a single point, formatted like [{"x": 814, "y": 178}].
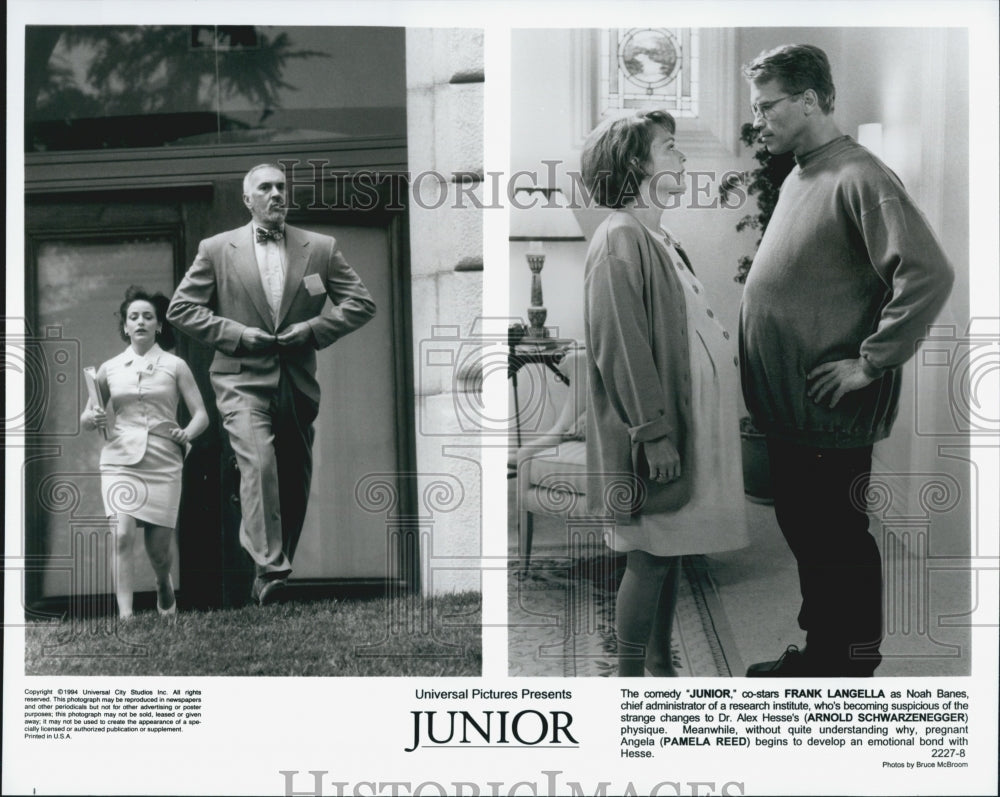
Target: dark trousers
[{"x": 821, "y": 505}]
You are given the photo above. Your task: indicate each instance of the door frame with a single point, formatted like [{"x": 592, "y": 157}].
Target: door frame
[
  {"x": 37, "y": 232},
  {"x": 391, "y": 214}
]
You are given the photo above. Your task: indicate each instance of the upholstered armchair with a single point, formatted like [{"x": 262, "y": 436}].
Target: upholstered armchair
[{"x": 551, "y": 469}]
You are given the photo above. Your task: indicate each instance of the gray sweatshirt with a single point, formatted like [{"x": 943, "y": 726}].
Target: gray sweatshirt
[{"x": 848, "y": 267}]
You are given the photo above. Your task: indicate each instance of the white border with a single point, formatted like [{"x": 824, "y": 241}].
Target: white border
[{"x": 355, "y": 730}]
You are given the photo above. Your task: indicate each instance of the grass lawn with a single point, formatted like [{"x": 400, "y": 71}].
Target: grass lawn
[{"x": 374, "y": 637}]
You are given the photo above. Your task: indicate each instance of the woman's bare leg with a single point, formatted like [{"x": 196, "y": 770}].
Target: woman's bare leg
[
  {"x": 638, "y": 606},
  {"x": 124, "y": 542},
  {"x": 659, "y": 660},
  {"x": 159, "y": 548}
]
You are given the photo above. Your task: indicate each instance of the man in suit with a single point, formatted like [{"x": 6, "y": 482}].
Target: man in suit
[{"x": 256, "y": 295}]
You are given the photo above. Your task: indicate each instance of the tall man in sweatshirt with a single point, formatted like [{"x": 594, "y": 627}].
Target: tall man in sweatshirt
[{"x": 844, "y": 284}]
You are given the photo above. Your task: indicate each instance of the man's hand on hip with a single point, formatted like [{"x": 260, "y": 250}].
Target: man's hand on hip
[
  {"x": 835, "y": 379},
  {"x": 255, "y": 339},
  {"x": 296, "y": 335}
]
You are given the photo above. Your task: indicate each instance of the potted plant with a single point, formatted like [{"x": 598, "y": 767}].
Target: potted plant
[{"x": 763, "y": 182}]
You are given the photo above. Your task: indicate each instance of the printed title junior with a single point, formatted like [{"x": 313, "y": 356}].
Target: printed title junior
[{"x": 492, "y": 694}]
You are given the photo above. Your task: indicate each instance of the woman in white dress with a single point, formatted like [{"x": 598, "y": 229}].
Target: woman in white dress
[
  {"x": 663, "y": 433},
  {"x": 141, "y": 461}
]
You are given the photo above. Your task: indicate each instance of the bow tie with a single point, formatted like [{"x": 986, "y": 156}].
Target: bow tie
[{"x": 263, "y": 236}]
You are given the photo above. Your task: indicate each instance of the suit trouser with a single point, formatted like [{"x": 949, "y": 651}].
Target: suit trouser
[
  {"x": 821, "y": 506},
  {"x": 272, "y": 439}
]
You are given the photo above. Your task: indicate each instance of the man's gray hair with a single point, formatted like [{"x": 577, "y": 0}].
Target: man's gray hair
[{"x": 257, "y": 168}]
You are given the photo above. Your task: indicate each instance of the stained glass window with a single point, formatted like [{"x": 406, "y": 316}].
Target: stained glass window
[{"x": 650, "y": 68}]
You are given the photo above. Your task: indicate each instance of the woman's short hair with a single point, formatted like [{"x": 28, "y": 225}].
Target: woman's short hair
[
  {"x": 796, "y": 67},
  {"x": 615, "y": 153},
  {"x": 136, "y": 293}
]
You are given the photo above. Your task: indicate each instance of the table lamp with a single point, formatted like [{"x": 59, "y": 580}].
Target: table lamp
[{"x": 538, "y": 215}]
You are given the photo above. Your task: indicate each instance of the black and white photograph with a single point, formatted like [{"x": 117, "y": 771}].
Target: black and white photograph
[
  {"x": 224, "y": 295},
  {"x": 389, "y": 386},
  {"x": 698, "y": 326}
]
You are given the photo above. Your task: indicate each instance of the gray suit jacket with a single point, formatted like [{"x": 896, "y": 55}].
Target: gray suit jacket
[{"x": 222, "y": 294}]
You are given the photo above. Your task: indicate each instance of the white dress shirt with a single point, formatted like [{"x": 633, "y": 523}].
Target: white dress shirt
[{"x": 271, "y": 262}]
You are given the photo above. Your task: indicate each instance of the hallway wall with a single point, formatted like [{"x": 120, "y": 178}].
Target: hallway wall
[{"x": 545, "y": 127}]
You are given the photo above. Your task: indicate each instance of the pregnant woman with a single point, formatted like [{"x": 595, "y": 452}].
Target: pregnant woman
[
  {"x": 142, "y": 459},
  {"x": 663, "y": 382}
]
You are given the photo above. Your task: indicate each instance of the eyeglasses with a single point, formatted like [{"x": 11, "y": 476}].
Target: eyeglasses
[{"x": 765, "y": 109}]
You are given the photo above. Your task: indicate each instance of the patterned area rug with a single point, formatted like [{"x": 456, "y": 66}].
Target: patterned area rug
[{"x": 561, "y": 618}]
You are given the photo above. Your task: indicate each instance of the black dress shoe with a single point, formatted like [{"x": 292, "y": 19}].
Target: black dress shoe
[
  {"x": 792, "y": 664},
  {"x": 272, "y": 591},
  {"x": 260, "y": 584}
]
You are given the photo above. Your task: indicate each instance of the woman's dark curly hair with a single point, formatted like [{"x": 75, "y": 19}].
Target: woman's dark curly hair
[
  {"x": 135, "y": 293},
  {"x": 615, "y": 154}
]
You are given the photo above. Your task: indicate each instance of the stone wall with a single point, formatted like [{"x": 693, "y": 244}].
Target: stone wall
[{"x": 445, "y": 82}]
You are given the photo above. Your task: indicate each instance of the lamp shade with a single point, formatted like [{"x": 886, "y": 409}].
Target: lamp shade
[{"x": 542, "y": 214}]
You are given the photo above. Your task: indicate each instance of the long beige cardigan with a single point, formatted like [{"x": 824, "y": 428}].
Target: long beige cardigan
[{"x": 638, "y": 367}]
